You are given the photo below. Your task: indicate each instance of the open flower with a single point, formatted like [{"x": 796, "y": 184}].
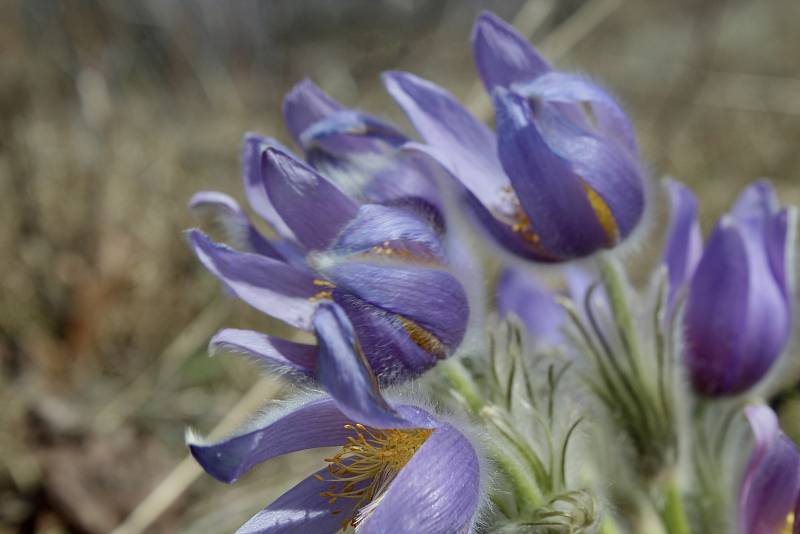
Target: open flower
[
  {"x": 409, "y": 472},
  {"x": 561, "y": 179},
  {"x": 769, "y": 497},
  {"x": 738, "y": 308},
  {"x": 385, "y": 266}
]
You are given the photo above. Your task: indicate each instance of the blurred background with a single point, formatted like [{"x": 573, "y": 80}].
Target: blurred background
[{"x": 113, "y": 113}]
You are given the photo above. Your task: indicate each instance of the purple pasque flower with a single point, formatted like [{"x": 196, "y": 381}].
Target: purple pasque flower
[
  {"x": 738, "y": 309},
  {"x": 769, "y": 497},
  {"x": 383, "y": 265},
  {"x": 358, "y": 152},
  {"x": 518, "y": 292},
  {"x": 399, "y": 468},
  {"x": 561, "y": 178}
]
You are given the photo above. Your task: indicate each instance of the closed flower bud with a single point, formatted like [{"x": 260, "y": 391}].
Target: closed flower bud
[{"x": 738, "y": 309}]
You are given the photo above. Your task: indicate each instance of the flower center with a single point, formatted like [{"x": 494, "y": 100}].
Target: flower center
[{"x": 367, "y": 463}]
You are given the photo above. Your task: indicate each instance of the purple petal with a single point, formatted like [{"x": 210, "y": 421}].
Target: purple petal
[
  {"x": 716, "y": 310},
  {"x": 314, "y": 208},
  {"x": 504, "y": 232},
  {"x": 304, "y": 105},
  {"x": 318, "y": 423},
  {"x": 406, "y": 178},
  {"x": 756, "y": 202},
  {"x": 502, "y": 55},
  {"x": 765, "y": 426},
  {"x": 758, "y": 210},
  {"x": 273, "y": 353},
  {"x": 359, "y": 153},
  {"x": 771, "y": 485},
  {"x": 237, "y": 227},
  {"x": 606, "y": 167},
  {"x": 392, "y": 354},
  {"x": 736, "y": 317},
  {"x": 253, "y": 149},
  {"x": 684, "y": 244},
  {"x": 389, "y": 232},
  {"x": 768, "y": 314},
  {"x": 442, "y": 479},
  {"x": 573, "y": 90},
  {"x": 345, "y": 373},
  {"x": 579, "y": 280},
  {"x": 271, "y": 286},
  {"x": 519, "y": 293},
  {"x": 301, "y": 509},
  {"x": 347, "y": 131},
  {"x": 549, "y": 190},
  {"x": 432, "y": 299},
  {"x": 462, "y": 144}
]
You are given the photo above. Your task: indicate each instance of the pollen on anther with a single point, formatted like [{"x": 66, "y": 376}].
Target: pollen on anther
[{"x": 367, "y": 463}]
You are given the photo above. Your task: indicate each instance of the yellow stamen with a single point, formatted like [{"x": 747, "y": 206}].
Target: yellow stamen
[
  {"x": 423, "y": 338},
  {"x": 367, "y": 463},
  {"x": 520, "y": 223},
  {"x": 789, "y": 527},
  {"x": 386, "y": 249},
  {"x": 397, "y": 250},
  {"x": 325, "y": 293},
  {"x": 603, "y": 213}
]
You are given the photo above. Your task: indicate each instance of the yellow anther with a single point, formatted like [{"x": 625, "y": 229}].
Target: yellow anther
[
  {"x": 423, "y": 338},
  {"x": 325, "y": 294},
  {"x": 322, "y": 295},
  {"x": 367, "y": 463},
  {"x": 388, "y": 249},
  {"x": 603, "y": 213},
  {"x": 520, "y": 223}
]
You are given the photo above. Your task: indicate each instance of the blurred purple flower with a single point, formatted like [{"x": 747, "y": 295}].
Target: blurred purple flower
[
  {"x": 383, "y": 265},
  {"x": 738, "y": 309},
  {"x": 769, "y": 498},
  {"x": 519, "y": 293},
  {"x": 684, "y": 244},
  {"x": 405, "y": 472},
  {"x": 561, "y": 180}
]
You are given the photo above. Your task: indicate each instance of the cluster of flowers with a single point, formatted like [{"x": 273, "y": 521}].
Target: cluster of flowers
[{"x": 362, "y": 253}]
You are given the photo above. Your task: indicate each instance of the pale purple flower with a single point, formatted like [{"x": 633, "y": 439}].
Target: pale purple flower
[
  {"x": 406, "y": 471},
  {"x": 407, "y": 315},
  {"x": 738, "y": 309},
  {"x": 556, "y": 182},
  {"x": 769, "y": 497},
  {"x": 384, "y": 265}
]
